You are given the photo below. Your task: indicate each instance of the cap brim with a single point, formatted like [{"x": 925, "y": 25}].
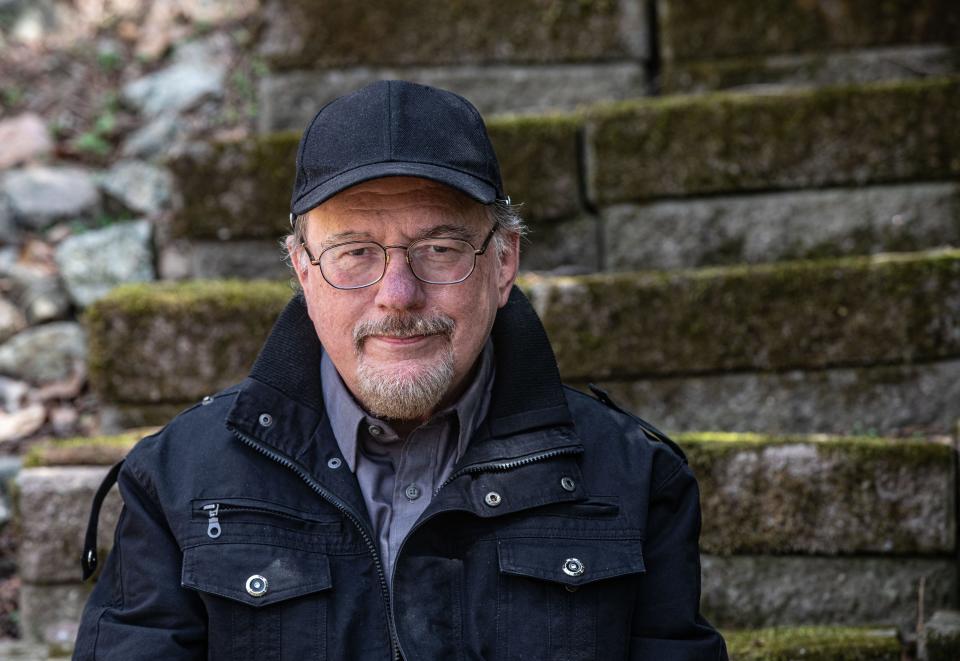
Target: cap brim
[{"x": 478, "y": 189}]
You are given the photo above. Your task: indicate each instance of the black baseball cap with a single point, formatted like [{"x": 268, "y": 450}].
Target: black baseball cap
[{"x": 395, "y": 128}]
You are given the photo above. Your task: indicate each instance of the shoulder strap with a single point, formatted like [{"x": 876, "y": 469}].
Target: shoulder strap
[
  {"x": 651, "y": 431},
  {"x": 89, "y": 559}
]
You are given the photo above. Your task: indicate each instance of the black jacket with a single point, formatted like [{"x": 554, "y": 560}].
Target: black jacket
[{"x": 567, "y": 531}]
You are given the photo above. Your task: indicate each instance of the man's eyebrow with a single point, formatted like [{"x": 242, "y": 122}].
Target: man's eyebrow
[
  {"x": 446, "y": 231},
  {"x": 341, "y": 237}
]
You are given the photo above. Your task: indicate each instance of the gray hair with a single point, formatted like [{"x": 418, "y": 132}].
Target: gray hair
[{"x": 502, "y": 212}]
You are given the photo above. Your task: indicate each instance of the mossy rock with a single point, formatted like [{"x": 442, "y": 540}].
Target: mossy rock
[
  {"x": 236, "y": 189},
  {"x": 822, "y": 494},
  {"x": 241, "y": 189},
  {"x": 539, "y": 163},
  {"x": 407, "y": 32},
  {"x": 814, "y": 644},
  {"x": 91, "y": 451},
  {"x": 885, "y": 309},
  {"x": 176, "y": 342},
  {"x": 727, "y": 142},
  {"x": 701, "y": 29}
]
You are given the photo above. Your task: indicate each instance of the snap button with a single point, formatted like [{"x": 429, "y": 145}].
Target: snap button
[
  {"x": 568, "y": 484},
  {"x": 257, "y": 585},
  {"x": 572, "y": 567},
  {"x": 334, "y": 463},
  {"x": 266, "y": 419},
  {"x": 206, "y": 400},
  {"x": 492, "y": 499},
  {"x": 375, "y": 430},
  {"x": 412, "y": 492}
]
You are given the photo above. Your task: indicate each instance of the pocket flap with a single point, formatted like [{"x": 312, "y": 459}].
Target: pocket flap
[
  {"x": 571, "y": 561},
  {"x": 254, "y": 574}
]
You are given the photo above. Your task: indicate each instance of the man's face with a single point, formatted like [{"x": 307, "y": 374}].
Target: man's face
[{"x": 405, "y": 348}]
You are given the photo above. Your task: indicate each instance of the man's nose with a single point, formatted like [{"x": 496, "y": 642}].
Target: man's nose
[{"x": 399, "y": 289}]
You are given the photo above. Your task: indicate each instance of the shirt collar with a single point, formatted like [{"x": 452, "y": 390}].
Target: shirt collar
[{"x": 346, "y": 416}]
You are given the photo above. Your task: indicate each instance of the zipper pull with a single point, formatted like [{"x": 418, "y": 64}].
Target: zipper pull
[{"x": 213, "y": 526}]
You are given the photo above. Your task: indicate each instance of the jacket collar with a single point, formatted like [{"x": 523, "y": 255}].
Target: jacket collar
[{"x": 285, "y": 385}]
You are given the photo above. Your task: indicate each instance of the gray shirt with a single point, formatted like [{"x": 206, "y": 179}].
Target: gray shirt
[{"x": 399, "y": 476}]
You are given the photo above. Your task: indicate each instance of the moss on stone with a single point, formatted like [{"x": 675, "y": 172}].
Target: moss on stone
[
  {"x": 538, "y": 163},
  {"x": 404, "y": 32},
  {"x": 822, "y": 494},
  {"x": 236, "y": 189},
  {"x": 852, "y": 134},
  {"x": 176, "y": 342},
  {"x": 899, "y": 451},
  {"x": 885, "y": 309},
  {"x": 92, "y": 451},
  {"x": 814, "y": 644},
  {"x": 700, "y": 29}
]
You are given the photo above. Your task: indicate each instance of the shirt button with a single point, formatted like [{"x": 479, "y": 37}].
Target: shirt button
[
  {"x": 375, "y": 430},
  {"x": 412, "y": 492}
]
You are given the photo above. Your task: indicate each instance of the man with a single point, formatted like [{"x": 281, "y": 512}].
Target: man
[{"x": 402, "y": 475}]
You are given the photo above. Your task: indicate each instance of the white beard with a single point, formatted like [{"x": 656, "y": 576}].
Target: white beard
[
  {"x": 402, "y": 392},
  {"x": 406, "y": 390}
]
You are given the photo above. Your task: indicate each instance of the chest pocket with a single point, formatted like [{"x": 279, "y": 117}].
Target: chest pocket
[
  {"x": 566, "y": 599},
  {"x": 261, "y": 599}
]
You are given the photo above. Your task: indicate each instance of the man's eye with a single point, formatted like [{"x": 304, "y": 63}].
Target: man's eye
[
  {"x": 442, "y": 248},
  {"x": 357, "y": 252}
]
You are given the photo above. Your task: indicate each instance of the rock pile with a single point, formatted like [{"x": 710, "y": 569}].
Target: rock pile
[{"x": 95, "y": 96}]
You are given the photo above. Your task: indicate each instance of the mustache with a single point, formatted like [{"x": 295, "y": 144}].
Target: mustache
[{"x": 403, "y": 326}]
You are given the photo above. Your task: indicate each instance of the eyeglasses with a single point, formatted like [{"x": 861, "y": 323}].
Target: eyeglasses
[{"x": 436, "y": 261}]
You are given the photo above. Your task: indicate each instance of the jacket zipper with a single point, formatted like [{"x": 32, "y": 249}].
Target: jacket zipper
[
  {"x": 356, "y": 520},
  {"x": 214, "y": 510},
  {"x": 499, "y": 466}
]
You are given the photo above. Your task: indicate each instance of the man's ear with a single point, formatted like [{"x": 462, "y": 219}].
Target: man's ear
[
  {"x": 298, "y": 260},
  {"x": 509, "y": 264}
]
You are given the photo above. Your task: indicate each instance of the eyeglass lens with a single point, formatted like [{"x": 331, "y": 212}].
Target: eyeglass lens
[{"x": 361, "y": 263}]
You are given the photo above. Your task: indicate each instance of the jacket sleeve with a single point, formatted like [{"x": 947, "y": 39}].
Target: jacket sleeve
[
  {"x": 137, "y": 610},
  {"x": 667, "y": 623}
]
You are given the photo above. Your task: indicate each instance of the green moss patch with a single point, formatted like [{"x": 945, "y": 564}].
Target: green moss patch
[
  {"x": 822, "y": 494},
  {"x": 176, "y": 342},
  {"x": 93, "y": 451},
  {"x": 888, "y": 309},
  {"x": 813, "y": 644},
  {"x": 538, "y": 163},
  {"x": 724, "y": 142},
  {"x": 232, "y": 189},
  {"x": 700, "y": 29},
  {"x": 405, "y": 32}
]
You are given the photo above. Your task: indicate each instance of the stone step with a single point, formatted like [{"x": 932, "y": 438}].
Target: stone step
[
  {"x": 772, "y": 227},
  {"x": 856, "y": 344},
  {"x": 404, "y": 32},
  {"x": 858, "y": 311},
  {"x": 702, "y": 42},
  {"x": 679, "y": 146},
  {"x": 814, "y": 644}
]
